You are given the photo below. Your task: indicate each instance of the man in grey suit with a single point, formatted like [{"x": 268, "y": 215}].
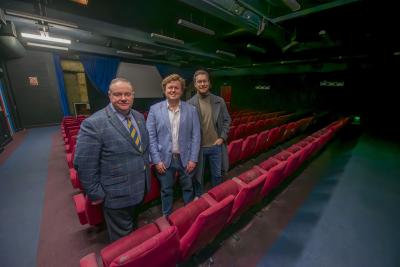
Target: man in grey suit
[
  {"x": 174, "y": 132},
  {"x": 112, "y": 159},
  {"x": 215, "y": 121}
]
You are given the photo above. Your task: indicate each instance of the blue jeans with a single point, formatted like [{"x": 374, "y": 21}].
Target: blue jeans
[
  {"x": 167, "y": 181},
  {"x": 214, "y": 156}
]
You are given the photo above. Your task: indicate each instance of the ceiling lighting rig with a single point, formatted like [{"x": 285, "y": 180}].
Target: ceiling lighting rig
[{"x": 195, "y": 27}]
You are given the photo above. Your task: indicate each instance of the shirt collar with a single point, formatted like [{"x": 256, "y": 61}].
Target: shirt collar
[
  {"x": 179, "y": 106},
  {"x": 120, "y": 115}
]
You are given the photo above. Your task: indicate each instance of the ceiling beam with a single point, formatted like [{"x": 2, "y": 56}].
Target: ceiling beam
[{"x": 312, "y": 10}]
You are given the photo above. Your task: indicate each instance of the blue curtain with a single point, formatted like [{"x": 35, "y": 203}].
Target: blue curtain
[
  {"x": 61, "y": 85},
  {"x": 100, "y": 70}
]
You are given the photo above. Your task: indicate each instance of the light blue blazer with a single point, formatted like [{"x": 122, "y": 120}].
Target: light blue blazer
[{"x": 160, "y": 135}]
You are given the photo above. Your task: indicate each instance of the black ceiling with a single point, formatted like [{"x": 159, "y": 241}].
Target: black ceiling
[{"x": 318, "y": 29}]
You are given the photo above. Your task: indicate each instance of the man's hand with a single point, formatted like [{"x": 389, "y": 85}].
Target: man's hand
[
  {"x": 219, "y": 142},
  {"x": 190, "y": 167},
  {"x": 97, "y": 202},
  {"x": 161, "y": 167}
]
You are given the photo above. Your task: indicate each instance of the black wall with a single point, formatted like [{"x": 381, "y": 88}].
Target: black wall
[
  {"x": 287, "y": 92},
  {"x": 36, "y": 105}
]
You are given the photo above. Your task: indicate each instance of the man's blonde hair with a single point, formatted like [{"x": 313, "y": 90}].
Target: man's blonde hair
[{"x": 171, "y": 78}]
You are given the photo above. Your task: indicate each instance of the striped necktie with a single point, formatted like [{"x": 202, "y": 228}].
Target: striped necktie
[{"x": 134, "y": 134}]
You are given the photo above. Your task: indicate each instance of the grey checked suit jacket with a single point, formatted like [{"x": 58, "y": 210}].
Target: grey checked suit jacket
[
  {"x": 159, "y": 128},
  {"x": 109, "y": 165}
]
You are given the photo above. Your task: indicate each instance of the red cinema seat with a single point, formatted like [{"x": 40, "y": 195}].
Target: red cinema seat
[
  {"x": 245, "y": 194},
  {"x": 71, "y": 142},
  {"x": 240, "y": 132},
  {"x": 80, "y": 208},
  {"x": 149, "y": 245},
  {"x": 273, "y": 136},
  {"x": 248, "y": 147},
  {"x": 160, "y": 250},
  {"x": 199, "y": 222},
  {"x": 269, "y": 123},
  {"x": 259, "y": 126},
  {"x": 88, "y": 212},
  {"x": 235, "y": 151},
  {"x": 70, "y": 158},
  {"x": 251, "y": 174},
  {"x": 274, "y": 174},
  {"x": 231, "y": 133},
  {"x": 291, "y": 166},
  {"x": 250, "y": 128},
  {"x": 73, "y": 175},
  {"x": 155, "y": 190},
  {"x": 262, "y": 138}
]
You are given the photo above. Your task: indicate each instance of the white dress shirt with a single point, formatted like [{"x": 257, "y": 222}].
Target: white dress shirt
[{"x": 174, "y": 119}]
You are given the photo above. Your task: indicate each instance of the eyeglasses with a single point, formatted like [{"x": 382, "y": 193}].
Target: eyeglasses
[
  {"x": 202, "y": 81},
  {"x": 119, "y": 95}
]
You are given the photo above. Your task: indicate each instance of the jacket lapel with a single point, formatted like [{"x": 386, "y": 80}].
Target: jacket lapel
[
  {"x": 215, "y": 106},
  {"x": 165, "y": 115},
  {"x": 195, "y": 102},
  {"x": 119, "y": 126},
  {"x": 182, "y": 118}
]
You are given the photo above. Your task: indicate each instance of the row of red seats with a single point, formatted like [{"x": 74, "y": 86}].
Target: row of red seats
[
  {"x": 188, "y": 229},
  {"x": 239, "y": 150},
  {"x": 236, "y": 120},
  {"x": 242, "y": 149},
  {"x": 92, "y": 214},
  {"x": 246, "y": 129}
]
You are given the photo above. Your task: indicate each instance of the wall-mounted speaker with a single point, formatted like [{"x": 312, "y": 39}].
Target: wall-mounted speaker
[
  {"x": 2, "y": 17},
  {"x": 8, "y": 29}
]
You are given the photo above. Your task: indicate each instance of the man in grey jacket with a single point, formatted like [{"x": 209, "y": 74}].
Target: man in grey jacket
[{"x": 215, "y": 121}]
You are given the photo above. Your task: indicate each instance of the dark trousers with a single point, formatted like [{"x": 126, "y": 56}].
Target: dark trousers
[
  {"x": 214, "y": 156},
  {"x": 120, "y": 222},
  {"x": 167, "y": 181}
]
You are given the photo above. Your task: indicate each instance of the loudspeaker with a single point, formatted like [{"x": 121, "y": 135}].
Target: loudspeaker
[
  {"x": 2, "y": 17},
  {"x": 8, "y": 29}
]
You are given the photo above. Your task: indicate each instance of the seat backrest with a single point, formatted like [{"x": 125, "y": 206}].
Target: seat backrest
[
  {"x": 246, "y": 196},
  {"x": 184, "y": 217},
  {"x": 240, "y": 131},
  {"x": 154, "y": 192},
  {"x": 273, "y": 177},
  {"x": 124, "y": 244},
  {"x": 292, "y": 164},
  {"x": 207, "y": 225},
  {"x": 223, "y": 190},
  {"x": 250, "y": 175},
  {"x": 248, "y": 147},
  {"x": 273, "y": 135},
  {"x": 235, "y": 151},
  {"x": 268, "y": 164},
  {"x": 282, "y": 156},
  {"x": 262, "y": 138},
  {"x": 250, "y": 128},
  {"x": 94, "y": 212},
  {"x": 161, "y": 250}
]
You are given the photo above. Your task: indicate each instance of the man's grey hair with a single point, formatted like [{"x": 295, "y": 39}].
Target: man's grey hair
[{"x": 117, "y": 80}]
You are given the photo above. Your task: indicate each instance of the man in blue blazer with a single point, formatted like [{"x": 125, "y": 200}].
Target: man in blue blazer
[
  {"x": 112, "y": 159},
  {"x": 174, "y": 131}
]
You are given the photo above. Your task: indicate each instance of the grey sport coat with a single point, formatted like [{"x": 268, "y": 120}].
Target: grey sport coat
[
  {"x": 109, "y": 165},
  {"x": 222, "y": 121}
]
